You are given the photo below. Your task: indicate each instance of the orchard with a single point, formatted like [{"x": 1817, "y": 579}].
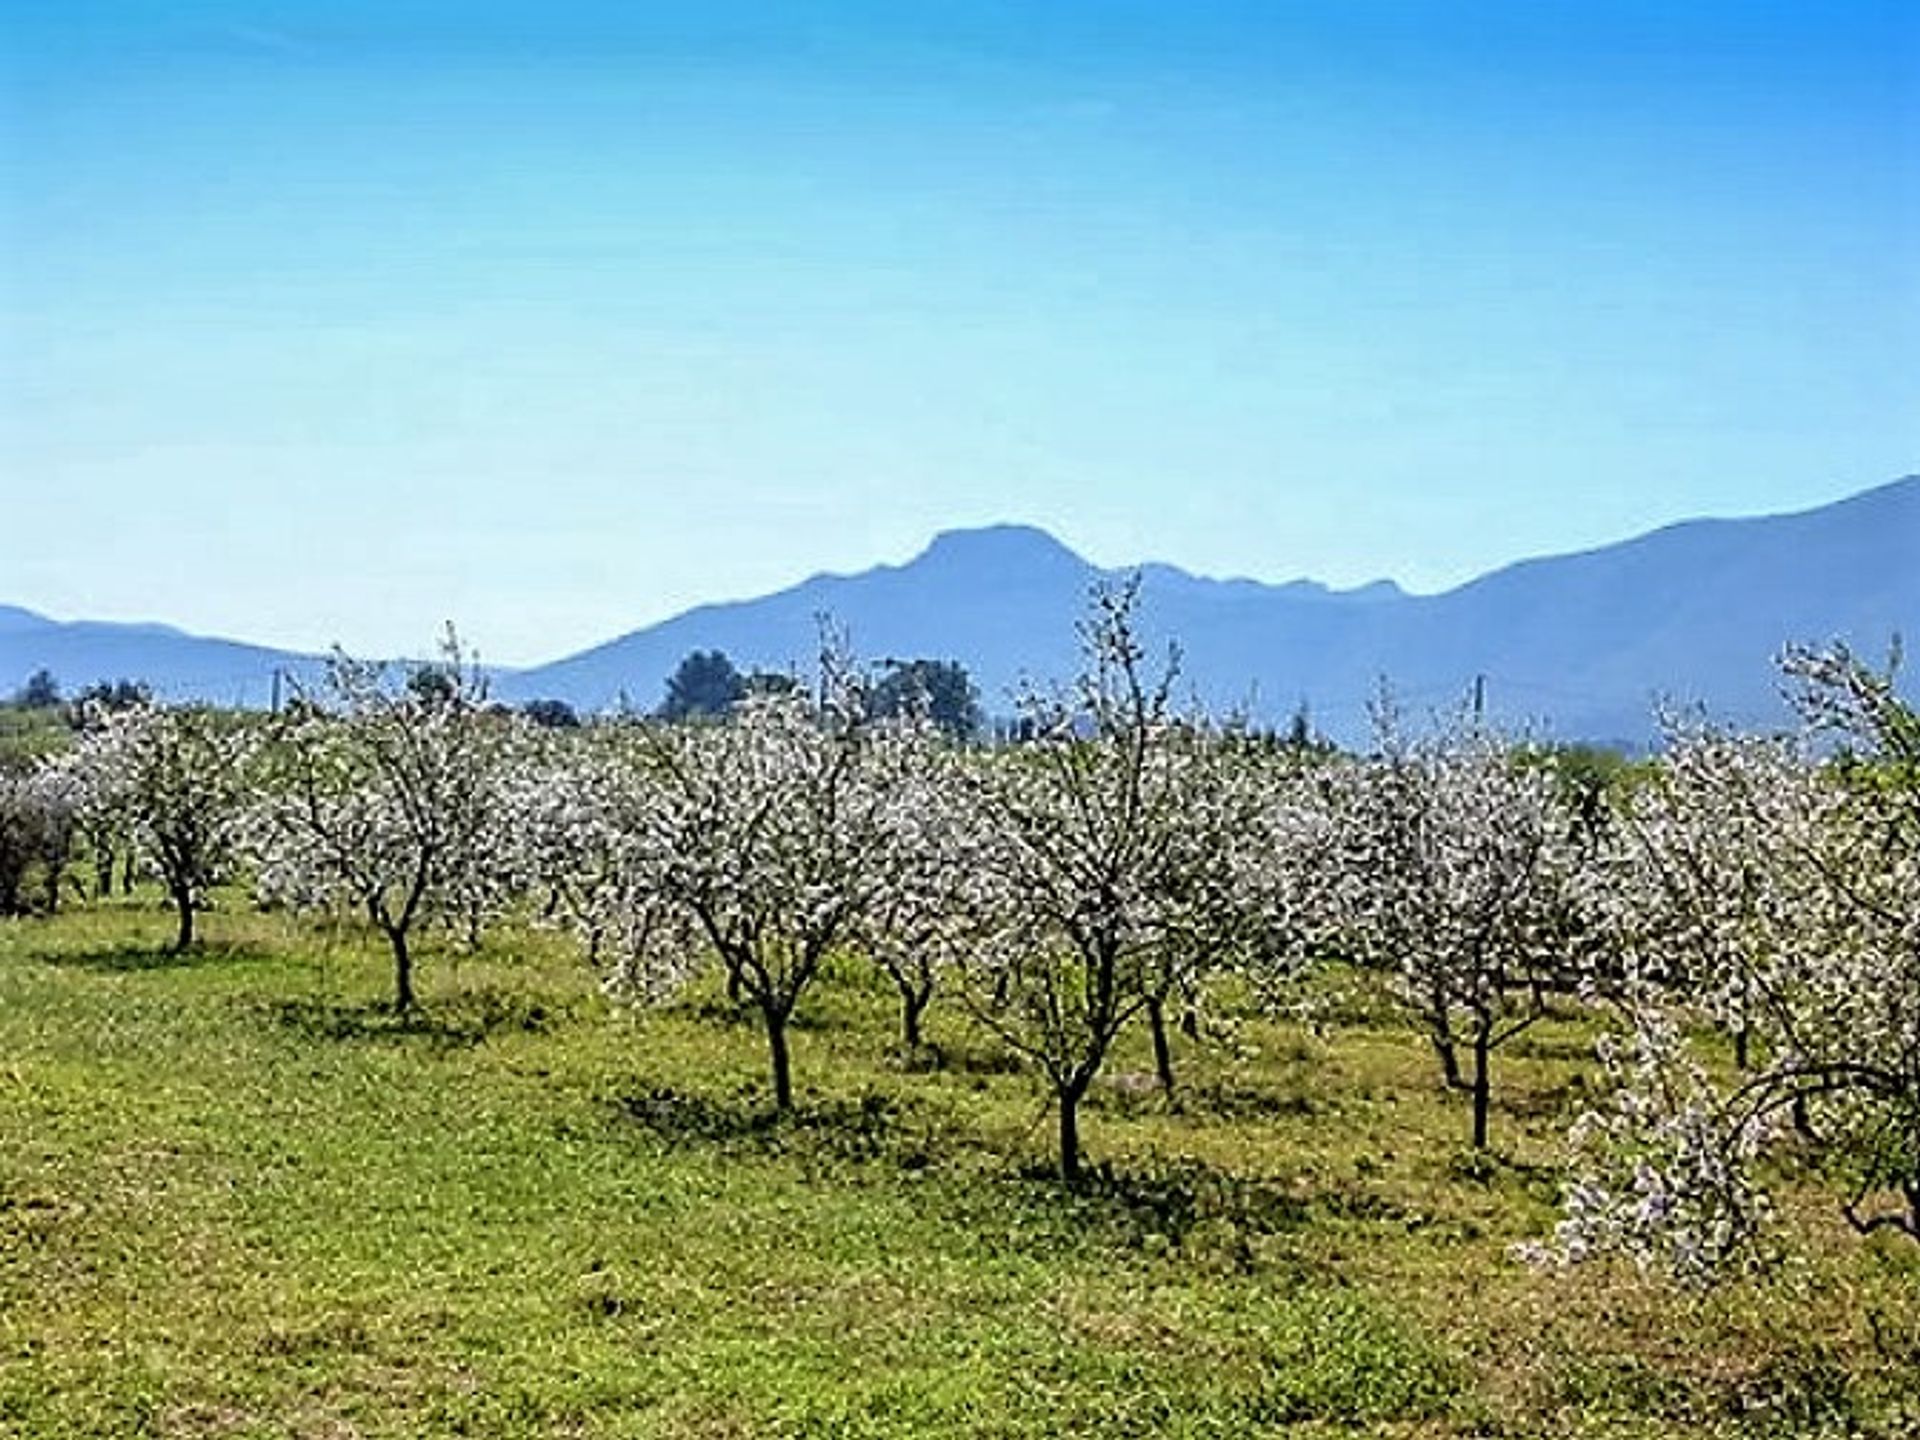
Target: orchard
[{"x": 1124, "y": 892}]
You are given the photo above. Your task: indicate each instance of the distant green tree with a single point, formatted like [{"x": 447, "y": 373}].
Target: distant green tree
[
  {"x": 551, "y": 714},
  {"x": 109, "y": 696},
  {"x": 706, "y": 686},
  {"x": 940, "y": 689},
  {"x": 41, "y": 692},
  {"x": 431, "y": 684}
]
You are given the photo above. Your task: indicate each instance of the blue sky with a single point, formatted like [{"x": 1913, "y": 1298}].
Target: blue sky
[{"x": 330, "y": 321}]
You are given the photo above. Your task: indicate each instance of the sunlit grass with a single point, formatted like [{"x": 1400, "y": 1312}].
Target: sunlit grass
[{"x": 237, "y": 1197}]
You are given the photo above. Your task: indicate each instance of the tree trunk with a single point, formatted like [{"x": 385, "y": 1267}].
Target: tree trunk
[
  {"x": 1743, "y": 1046},
  {"x": 776, "y": 1021},
  {"x": 1162, "y": 1049},
  {"x": 1068, "y": 1098},
  {"x": 403, "y": 997},
  {"x": 912, "y": 1004},
  {"x": 914, "y": 1000},
  {"x": 1449, "y": 1054},
  {"x": 183, "y": 906},
  {"x": 1482, "y": 1089}
]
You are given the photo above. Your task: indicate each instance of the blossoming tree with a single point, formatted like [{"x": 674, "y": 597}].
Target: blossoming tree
[
  {"x": 1109, "y": 863},
  {"x": 174, "y": 781},
  {"x": 387, "y": 798},
  {"x": 759, "y": 841},
  {"x": 1455, "y": 869},
  {"x": 1825, "y": 969}
]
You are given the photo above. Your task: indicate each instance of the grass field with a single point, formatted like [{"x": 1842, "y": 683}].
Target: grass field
[{"x": 238, "y": 1199}]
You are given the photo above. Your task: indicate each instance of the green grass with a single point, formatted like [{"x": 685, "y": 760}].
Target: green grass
[{"x": 238, "y": 1199}]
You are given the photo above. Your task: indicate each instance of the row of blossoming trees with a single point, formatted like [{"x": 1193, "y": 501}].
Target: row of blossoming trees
[{"x": 1116, "y": 869}]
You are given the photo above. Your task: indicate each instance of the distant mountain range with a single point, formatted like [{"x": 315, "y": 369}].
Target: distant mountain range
[
  {"x": 178, "y": 666},
  {"x": 1580, "y": 646}
]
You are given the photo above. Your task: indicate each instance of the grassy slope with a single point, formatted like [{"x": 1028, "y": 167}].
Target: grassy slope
[{"x": 235, "y": 1199}]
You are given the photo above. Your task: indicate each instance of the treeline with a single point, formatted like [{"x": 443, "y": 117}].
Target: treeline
[{"x": 1128, "y": 862}]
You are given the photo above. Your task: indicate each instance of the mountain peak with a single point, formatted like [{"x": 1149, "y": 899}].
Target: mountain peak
[{"x": 998, "y": 549}]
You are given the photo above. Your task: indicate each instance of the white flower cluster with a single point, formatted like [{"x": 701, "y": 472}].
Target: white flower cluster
[{"x": 1773, "y": 892}]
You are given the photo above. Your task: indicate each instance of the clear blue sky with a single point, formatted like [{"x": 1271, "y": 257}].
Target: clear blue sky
[{"x": 331, "y": 320}]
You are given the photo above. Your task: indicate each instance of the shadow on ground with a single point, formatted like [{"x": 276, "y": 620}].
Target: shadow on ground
[
  {"x": 131, "y": 958},
  {"x": 467, "y": 1019}
]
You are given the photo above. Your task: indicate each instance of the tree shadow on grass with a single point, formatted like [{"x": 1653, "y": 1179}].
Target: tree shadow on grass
[
  {"x": 452, "y": 1023},
  {"x": 131, "y": 957},
  {"x": 960, "y": 1056},
  {"x": 743, "y": 1015},
  {"x": 1187, "y": 1204},
  {"x": 869, "y": 1128},
  {"x": 1233, "y": 1099},
  {"x": 1170, "y": 1203},
  {"x": 872, "y": 1129},
  {"x": 1561, "y": 1100}
]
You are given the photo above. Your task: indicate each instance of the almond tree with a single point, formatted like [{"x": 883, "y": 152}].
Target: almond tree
[
  {"x": 1692, "y": 883},
  {"x": 1828, "y": 977},
  {"x": 759, "y": 842},
  {"x": 172, "y": 780},
  {"x": 1230, "y": 881},
  {"x": 1107, "y": 865},
  {"x": 386, "y": 798},
  {"x": 571, "y": 800},
  {"x": 38, "y": 811},
  {"x": 1456, "y": 872},
  {"x": 916, "y": 927},
  {"x": 59, "y": 797}
]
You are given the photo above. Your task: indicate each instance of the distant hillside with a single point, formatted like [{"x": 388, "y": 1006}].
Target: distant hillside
[
  {"x": 177, "y": 665},
  {"x": 1580, "y": 645}
]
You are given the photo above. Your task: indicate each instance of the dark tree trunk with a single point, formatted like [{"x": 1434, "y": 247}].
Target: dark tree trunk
[
  {"x": 776, "y": 1021},
  {"x": 1743, "y": 1046},
  {"x": 1444, "y": 1046},
  {"x": 183, "y": 907},
  {"x": 1162, "y": 1049},
  {"x": 914, "y": 1000},
  {"x": 1482, "y": 1088},
  {"x": 403, "y": 996},
  {"x": 910, "y": 1009},
  {"x": 1068, "y": 1098}
]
